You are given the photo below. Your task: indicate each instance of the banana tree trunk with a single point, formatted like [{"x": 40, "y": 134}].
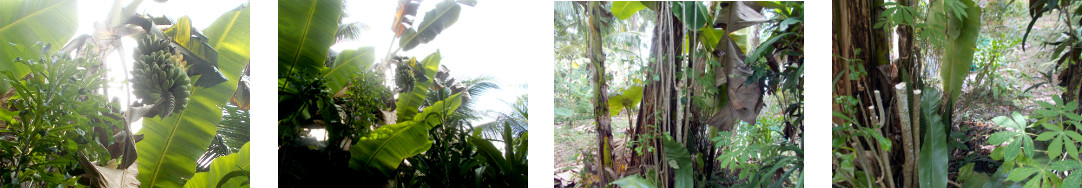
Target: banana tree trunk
[{"x": 601, "y": 105}]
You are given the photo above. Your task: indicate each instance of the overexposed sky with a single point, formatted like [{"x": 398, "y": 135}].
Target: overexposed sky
[
  {"x": 94, "y": 11},
  {"x": 481, "y": 42}
]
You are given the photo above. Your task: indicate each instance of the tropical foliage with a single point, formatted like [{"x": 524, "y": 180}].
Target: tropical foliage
[
  {"x": 692, "y": 93},
  {"x": 339, "y": 120},
  {"x": 65, "y": 131},
  {"x": 899, "y": 124}
]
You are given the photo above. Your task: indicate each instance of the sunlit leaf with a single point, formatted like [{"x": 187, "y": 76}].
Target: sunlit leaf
[
  {"x": 306, "y": 30},
  {"x": 171, "y": 146},
  {"x": 24, "y": 23}
]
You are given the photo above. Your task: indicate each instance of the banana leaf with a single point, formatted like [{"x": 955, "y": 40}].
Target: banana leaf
[
  {"x": 171, "y": 146},
  {"x": 224, "y": 168},
  {"x": 625, "y": 9},
  {"x": 381, "y": 151},
  {"x": 306, "y": 31},
  {"x": 408, "y": 103},
  {"x": 23, "y": 23},
  {"x": 347, "y": 66},
  {"x": 959, "y": 52},
  {"x": 436, "y": 20}
]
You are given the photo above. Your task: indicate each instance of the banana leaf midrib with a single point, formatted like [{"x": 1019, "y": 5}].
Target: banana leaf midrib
[
  {"x": 227, "y": 30},
  {"x": 169, "y": 141},
  {"x": 20, "y": 20},
  {"x": 304, "y": 32},
  {"x": 384, "y": 144}
]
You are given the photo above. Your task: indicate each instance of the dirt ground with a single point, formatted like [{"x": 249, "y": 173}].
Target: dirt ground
[{"x": 574, "y": 138}]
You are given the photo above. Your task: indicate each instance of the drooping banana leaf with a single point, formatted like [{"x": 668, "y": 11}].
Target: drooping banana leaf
[
  {"x": 306, "y": 31},
  {"x": 959, "y": 52},
  {"x": 171, "y": 146},
  {"x": 625, "y": 9},
  {"x": 347, "y": 67},
  {"x": 221, "y": 167},
  {"x": 23, "y": 23},
  {"x": 381, "y": 151},
  {"x": 680, "y": 160},
  {"x": 436, "y": 20},
  {"x": 408, "y": 103}
]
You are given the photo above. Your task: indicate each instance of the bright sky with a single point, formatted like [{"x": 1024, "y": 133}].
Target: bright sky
[
  {"x": 480, "y": 43},
  {"x": 91, "y": 12}
]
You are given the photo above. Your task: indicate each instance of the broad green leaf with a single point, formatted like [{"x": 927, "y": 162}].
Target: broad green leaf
[
  {"x": 960, "y": 50},
  {"x": 1055, "y": 148},
  {"x": 711, "y": 37},
  {"x": 1009, "y": 123},
  {"x": 436, "y": 20},
  {"x": 965, "y": 172},
  {"x": 633, "y": 181},
  {"x": 934, "y": 157},
  {"x": 408, "y": 103},
  {"x": 306, "y": 32},
  {"x": 628, "y": 99},
  {"x": 693, "y": 14},
  {"x": 1000, "y": 137},
  {"x": 1019, "y": 120},
  {"x": 1073, "y": 180},
  {"x": 347, "y": 66},
  {"x": 220, "y": 168},
  {"x": 1071, "y": 149},
  {"x": 381, "y": 151},
  {"x": 1019, "y": 174},
  {"x": 625, "y": 9},
  {"x": 684, "y": 173},
  {"x": 487, "y": 151},
  {"x": 753, "y": 57},
  {"x": 1012, "y": 149},
  {"x": 1027, "y": 145},
  {"x": 1065, "y": 165},
  {"x": 1045, "y": 136},
  {"x": 23, "y": 23},
  {"x": 171, "y": 146}
]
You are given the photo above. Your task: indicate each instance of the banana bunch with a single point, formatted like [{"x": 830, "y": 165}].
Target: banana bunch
[
  {"x": 159, "y": 78},
  {"x": 404, "y": 77}
]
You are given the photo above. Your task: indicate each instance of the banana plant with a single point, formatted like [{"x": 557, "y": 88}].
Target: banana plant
[
  {"x": 172, "y": 145},
  {"x": 384, "y": 149}
]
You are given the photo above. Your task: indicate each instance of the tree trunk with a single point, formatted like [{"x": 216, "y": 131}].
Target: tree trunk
[{"x": 601, "y": 100}]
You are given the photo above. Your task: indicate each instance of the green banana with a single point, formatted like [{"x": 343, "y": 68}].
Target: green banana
[{"x": 159, "y": 77}]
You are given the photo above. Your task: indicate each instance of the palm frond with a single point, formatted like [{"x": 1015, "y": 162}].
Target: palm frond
[
  {"x": 233, "y": 132},
  {"x": 350, "y": 31}
]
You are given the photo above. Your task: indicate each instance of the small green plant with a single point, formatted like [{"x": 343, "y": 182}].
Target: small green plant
[
  {"x": 1056, "y": 124},
  {"x": 53, "y": 118}
]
